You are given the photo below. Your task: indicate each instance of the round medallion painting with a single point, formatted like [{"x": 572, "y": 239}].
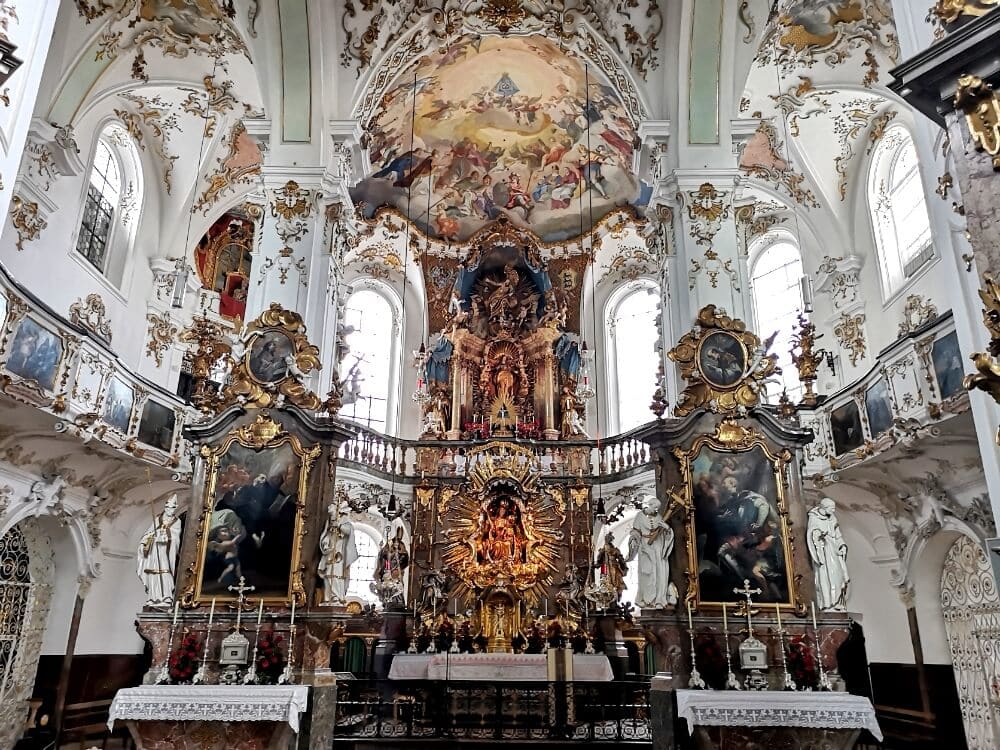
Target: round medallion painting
[
  {"x": 722, "y": 359},
  {"x": 267, "y": 354}
]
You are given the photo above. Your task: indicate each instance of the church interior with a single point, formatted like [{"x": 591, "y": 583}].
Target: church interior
[{"x": 461, "y": 372}]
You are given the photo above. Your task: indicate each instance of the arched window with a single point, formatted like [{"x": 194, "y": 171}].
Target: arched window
[
  {"x": 899, "y": 211},
  {"x": 111, "y": 204},
  {"x": 371, "y": 358},
  {"x": 632, "y": 337},
  {"x": 774, "y": 283},
  {"x": 363, "y": 569}
]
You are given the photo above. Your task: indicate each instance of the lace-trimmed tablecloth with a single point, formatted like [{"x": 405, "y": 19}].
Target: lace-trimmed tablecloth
[
  {"x": 280, "y": 703},
  {"x": 494, "y": 667},
  {"x": 716, "y": 708}
]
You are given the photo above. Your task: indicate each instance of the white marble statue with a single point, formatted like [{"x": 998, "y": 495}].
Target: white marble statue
[
  {"x": 157, "y": 556},
  {"x": 45, "y": 495},
  {"x": 339, "y": 551},
  {"x": 829, "y": 557},
  {"x": 652, "y": 540}
]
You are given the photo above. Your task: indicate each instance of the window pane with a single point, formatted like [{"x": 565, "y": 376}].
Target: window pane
[
  {"x": 777, "y": 301},
  {"x": 371, "y": 348},
  {"x": 95, "y": 228},
  {"x": 636, "y": 360},
  {"x": 363, "y": 569}
]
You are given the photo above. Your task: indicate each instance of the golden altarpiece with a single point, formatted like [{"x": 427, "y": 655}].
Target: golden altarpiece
[{"x": 495, "y": 535}]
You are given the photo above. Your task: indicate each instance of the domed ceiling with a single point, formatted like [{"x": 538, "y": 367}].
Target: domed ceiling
[{"x": 492, "y": 126}]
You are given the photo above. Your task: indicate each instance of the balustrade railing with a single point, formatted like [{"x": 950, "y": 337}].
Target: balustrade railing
[
  {"x": 617, "y": 457},
  {"x": 607, "y": 712}
]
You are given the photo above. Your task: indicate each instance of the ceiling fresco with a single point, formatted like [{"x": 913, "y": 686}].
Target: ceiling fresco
[{"x": 501, "y": 126}]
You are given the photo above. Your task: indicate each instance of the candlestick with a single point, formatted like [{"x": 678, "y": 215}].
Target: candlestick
[
  {"x": 260, "y": 612},
  {"x": 824, "y": 681},
  {"x": 731, "y": 682},
  {"x": 789, "y": 683},
  {"x": 695, "y": 681},
  {"x": 211, "y": 614}
]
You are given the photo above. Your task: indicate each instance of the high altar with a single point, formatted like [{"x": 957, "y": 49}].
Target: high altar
[{"x": 496, "y": 563}]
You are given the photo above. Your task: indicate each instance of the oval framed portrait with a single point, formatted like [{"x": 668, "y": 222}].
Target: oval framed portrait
[
  {"x": 266, "y": 356},
  {"x": 722, "y": 359}
]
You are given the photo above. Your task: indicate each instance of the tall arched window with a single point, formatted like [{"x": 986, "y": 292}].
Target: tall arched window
[
  {"x": 774, "y": 283},
  {"x": 363, "y": 569},
  {"x": 632, "y": 337},
  {"x": 899, "y": 211},
  {"x": 111, "y": 204},
  {"x": 371, "y": 357}
]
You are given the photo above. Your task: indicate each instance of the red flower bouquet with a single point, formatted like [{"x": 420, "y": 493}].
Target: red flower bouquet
[
  {"x": 270, "y": 658},
  {"x": 711, "y": 660},
  {"x": 802, "y": 663},
  {"x": 184, "y": 660}
]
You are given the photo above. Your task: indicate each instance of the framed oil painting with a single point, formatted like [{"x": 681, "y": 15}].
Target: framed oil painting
[
  {"x": 266, "y": 356},
  {"x": 35, "y": 354},
  {"x": 156, "y": 426},
  {"x": 845, "y": 425},
  {"x": 878, "y": 408},
  {"x": 722, "y": 359},
  {"x": 948, "y": 370},
  {"x": 252, "y": 519},
  {"x": 117, "y": 410},
  {"x": 738, "y": 523}
]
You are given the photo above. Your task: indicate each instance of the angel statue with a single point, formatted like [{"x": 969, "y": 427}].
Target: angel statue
[
  {"x": 652, "y": 540},
  {"x": 339, "y": 551},
  {"x": 157, "y": 555}
]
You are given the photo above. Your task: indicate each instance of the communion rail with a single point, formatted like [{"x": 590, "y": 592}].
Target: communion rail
[
  {"x": 429, "y": 710},
  {"x": 617, "y": 457}
]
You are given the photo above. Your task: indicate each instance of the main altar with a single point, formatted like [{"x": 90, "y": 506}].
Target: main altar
[{"x": 499, "y": 577}]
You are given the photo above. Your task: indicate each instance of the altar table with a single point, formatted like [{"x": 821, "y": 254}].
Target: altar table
[
  {"x": 733, "y": 718},
  {"x": 251, "y": 717},
  {"x": 494, "y": 667}
]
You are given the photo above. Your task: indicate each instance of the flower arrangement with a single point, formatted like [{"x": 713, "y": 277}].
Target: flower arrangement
[
  {"x": 802, "y": 663},
  {"x": 184, "y": 660},
  {"x": 270, "y": 658}
]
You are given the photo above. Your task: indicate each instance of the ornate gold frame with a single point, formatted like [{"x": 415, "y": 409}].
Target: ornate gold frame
[
  {"x": 263, "y": 433},
  {"x": 733, "y": 438}
]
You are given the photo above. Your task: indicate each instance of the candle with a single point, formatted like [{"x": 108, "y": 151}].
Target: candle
[
  {"x": 293, "y": 612},
  {"x": 725, "y": 619},
  {"x": 777, "y": 612},
  {"x": 813, "y": 605},
  {"x": 177, "y": 605},
  {"x": 260, "y": 612},
  {"x": 546, "y": 608},
  {"x": 211, "y": 614},
  {"x": 690, "y": 626}
]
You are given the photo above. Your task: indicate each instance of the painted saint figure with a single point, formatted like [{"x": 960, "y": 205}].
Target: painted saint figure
[
  {"x": 157, "y": 555},
  {"x": 652, "y": 540},
  {"x": 829, "y": 557}
]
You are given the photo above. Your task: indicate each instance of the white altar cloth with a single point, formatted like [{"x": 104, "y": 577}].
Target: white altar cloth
[
  {"x": 281, "y": 703},
  {"x": 494, "y": 667},
  {"x": 772, "y": 708}
]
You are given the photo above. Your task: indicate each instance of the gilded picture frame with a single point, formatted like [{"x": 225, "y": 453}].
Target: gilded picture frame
[
  {"x": 727, "y": 479},
  {"x": 267, "y": 443}
]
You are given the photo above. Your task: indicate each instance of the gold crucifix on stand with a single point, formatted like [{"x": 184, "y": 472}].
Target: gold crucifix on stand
[
  {"x": 753, "y": 652},
  {"x": 235, "y": 646}
]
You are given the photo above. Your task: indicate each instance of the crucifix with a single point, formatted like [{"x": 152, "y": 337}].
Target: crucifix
[
  {"x": 241, "y": 590},
  {"x": 747, "y": 593}
]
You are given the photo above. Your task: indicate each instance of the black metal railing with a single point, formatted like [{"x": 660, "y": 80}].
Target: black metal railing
[{"x": 611, "y": 712}]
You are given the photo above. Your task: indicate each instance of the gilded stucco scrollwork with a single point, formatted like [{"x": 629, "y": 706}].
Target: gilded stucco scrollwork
[
  {"x": 850, "y": 334},
  {"x": 162, "y": 333},
  {"x": 707, "y": 207},
  {"x": 26, "y": 220},
  {"x": 979, "y": 102},
  {"x": 240, "y": 164},
  {"x": 91, "y": 314},
  {"x": 916, "y": 312},
  {"x": 724, "y": 364},
  {"x": 216, "y": 100},
  {"x": 987, "y": 376},
  {"x": 153, "y": 117}
]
